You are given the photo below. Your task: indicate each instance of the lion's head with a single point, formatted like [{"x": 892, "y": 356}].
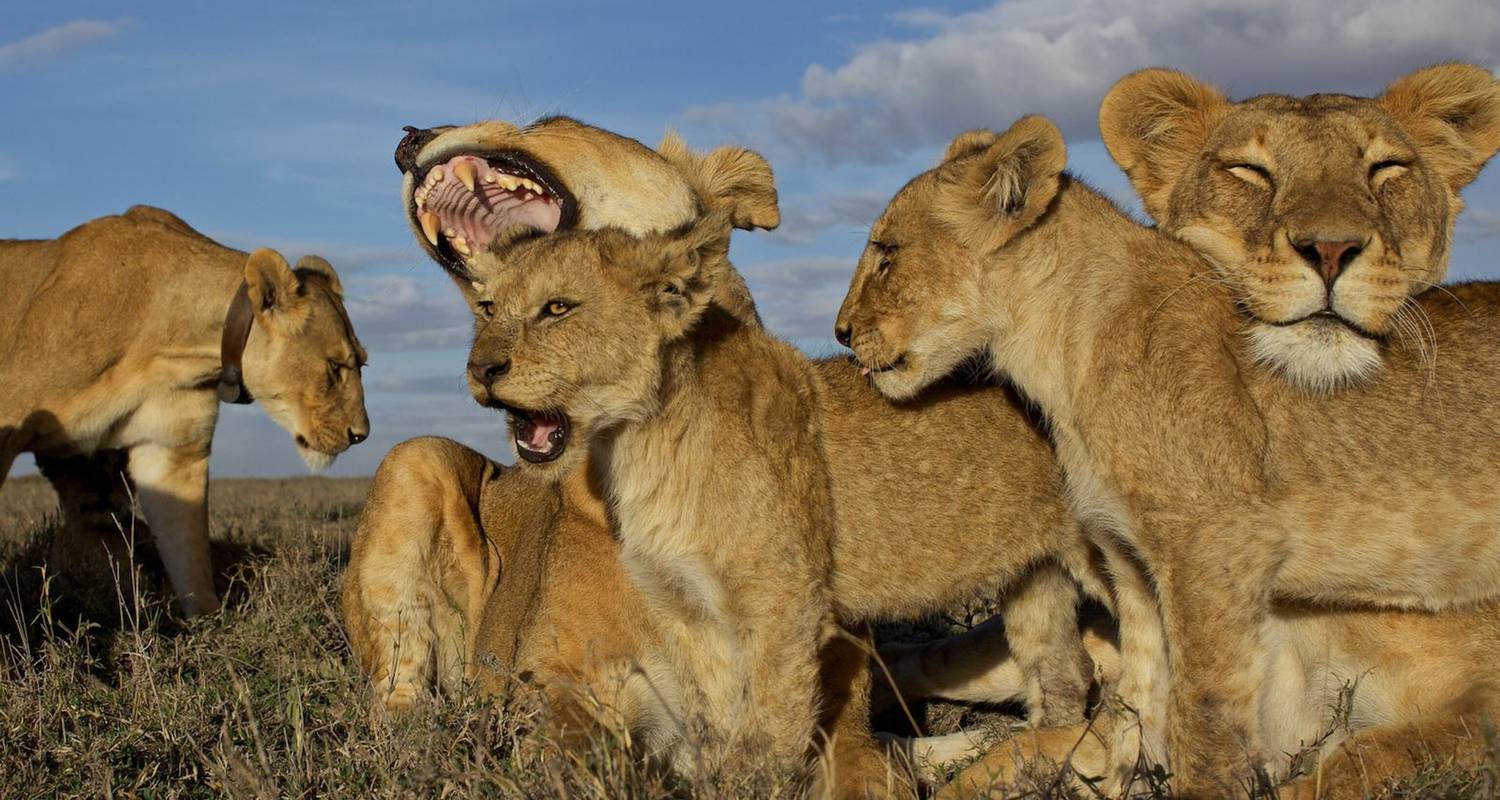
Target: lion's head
[
  {"x": 572, "y": 328},
  {"x": 1324, "y": 214},
  {"x": 940, "y": 230},
  {"x": 476, "y": 188},
  {"x": 302, "y": 361}
]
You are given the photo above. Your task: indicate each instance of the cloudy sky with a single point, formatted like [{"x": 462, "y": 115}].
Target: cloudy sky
[{"x": 273, "y": 124}]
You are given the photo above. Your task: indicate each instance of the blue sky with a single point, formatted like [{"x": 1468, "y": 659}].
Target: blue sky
[{"x": 273, "y": 124}]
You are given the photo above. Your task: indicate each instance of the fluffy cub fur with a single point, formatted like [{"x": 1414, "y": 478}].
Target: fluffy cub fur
[
  {"x": 705, "y": 433},
  {"x": 1213, "y": 485},
  {"x": 109, "y": 341}
]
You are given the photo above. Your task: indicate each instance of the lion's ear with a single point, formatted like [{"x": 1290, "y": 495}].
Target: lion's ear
[
  {"x": 1155, "y": 123},
  {"x": 1452, "y": 111},
  {"x": 969, "y": 142},
  {"x": 678, "y": 272},
  {"x": 269, "y": 281},
  {"x": 1004, "y": 188},
  {"x": 731, "y": 178},
  {"x": 318, "y": 265}
]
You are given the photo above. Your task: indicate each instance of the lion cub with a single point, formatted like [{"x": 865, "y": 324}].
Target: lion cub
[
  {"x": 1214, "y": 486},
  {"x": 704, "y": 432}
]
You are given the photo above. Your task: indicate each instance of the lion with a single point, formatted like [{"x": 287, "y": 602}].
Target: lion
[
  {"x": 426, "y": 598},
  {"x": 1211, "y": 485},
  {"x": 607, "y": 354},
  {"x": 114, "y": 339},
  {"x": 1326, "y": 214}
]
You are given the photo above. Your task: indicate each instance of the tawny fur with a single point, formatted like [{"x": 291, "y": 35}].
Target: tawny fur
[
  {"x": 109, "y": 341},
  {"x": 1213, "y": 486},
  {"x": 974, "y": 539},
  {"x": 1244, "y": 182}
]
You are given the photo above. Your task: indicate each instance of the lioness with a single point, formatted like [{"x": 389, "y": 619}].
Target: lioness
[
  {"x": 1214, "y": 484},
  {"x": 1242, "y": 183},
  {"x": 1324, "y": 214},
  {"x": 425, "y": 594},
  {"x": 140, "y": 371}
]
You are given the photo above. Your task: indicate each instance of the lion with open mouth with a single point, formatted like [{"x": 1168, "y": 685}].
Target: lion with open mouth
[{"x": 467, "y": 570}]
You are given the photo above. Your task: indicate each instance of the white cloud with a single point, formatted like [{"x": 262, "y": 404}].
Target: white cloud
[
  {"x": 60, "y": 39},
  {"x": 799, "y": 297},
  {"x": 1058, "y": 57},
  {"x": 851, "y": 210},
  {"x": 394, "y": 313},
  {"x": 1477, "y": 224},
  {"x": 346, "y": 257}
]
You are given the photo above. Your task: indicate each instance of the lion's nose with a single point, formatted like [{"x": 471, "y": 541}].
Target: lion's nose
[
  {"x": 355, "y": 437},
  {"x": 411, "y": 144},
  {"x": 1328, "y": 258},
  {"x": 843, "y": 333},
  {"x": 485, "y": 373}
]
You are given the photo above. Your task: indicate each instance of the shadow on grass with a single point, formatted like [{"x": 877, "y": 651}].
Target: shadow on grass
[{"x": 87, "y": 588}]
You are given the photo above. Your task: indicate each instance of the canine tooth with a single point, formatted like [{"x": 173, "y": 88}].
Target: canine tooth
[
  {"x": 430, "y": 223},
  {"x": 460, "y": 245},
  {"x": 465, "y": 172}
]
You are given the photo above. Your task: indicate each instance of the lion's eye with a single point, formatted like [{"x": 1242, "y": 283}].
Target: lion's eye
[
  {"x": 1382, "y": 171},
  {"x": 887, "y": 253},
  {"x": 1254, "y": 174},
  {"x": 556, "y": 308},
  {"x": 336, "y": 371},
  {"x": 486, "y": 308}
]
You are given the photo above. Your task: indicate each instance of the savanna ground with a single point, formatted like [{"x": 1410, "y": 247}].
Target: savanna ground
[{"x": 105, "y": 691}]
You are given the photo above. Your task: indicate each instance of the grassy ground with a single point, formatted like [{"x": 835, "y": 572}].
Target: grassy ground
[{"x": 106, "y": 692}]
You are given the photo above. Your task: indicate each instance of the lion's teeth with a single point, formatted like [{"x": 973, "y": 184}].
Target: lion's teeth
[
  {"x": 460, "y": 245},
  {"x": 436, "y": 175},
  {"x": 465, "y": 172},
  {"x": 489, "y": 177},
  {"x": 450, "y": 233},
  {"x": 531, "y": 185},
  {"x": 509, "y": 182},
  {"x": 430, "y": 223}
]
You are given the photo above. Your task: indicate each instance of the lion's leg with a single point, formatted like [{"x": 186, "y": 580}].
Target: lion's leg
[
  {"x": 932, "y": 758},
  {"x": 1041, "y": 624},
  {"x": 1029, "y": 653},
  {"x": 93, "y": 498},
  {"x": 173, "y": 487},
  {"x": 852, "y": 764},
  {"x": 1361, "y": 764},
  {"x": 1134, "y": 716},
  {"x": 1082, "y": 748},
  {"x": 91, "y": 547},
  {"x": 1215, "y": 598},
  {"x": 975, "y": 666},
  {"x": 420, "y": 570}
]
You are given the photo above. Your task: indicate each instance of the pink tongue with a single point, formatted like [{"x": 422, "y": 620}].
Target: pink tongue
[{"x": 541, "y": 429}]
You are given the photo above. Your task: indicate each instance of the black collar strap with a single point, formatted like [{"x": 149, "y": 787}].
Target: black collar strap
[{"x": 232, "y": 349}]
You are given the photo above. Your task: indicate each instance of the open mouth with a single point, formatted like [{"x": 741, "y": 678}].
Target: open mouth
[
  {"x": 541, "y": 436},
  {"x": 465, "y": 204}
]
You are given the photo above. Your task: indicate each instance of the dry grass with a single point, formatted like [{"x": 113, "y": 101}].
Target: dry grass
[{"x": 105, "y": 691}]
